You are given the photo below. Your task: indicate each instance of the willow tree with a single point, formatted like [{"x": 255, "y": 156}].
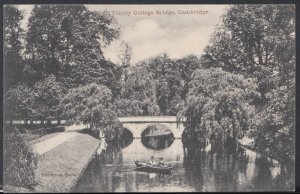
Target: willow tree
[
  {"x": 219, "y": 104},
  {"x": 91, "y": 104},
  {"x": 258, "y": 41}
]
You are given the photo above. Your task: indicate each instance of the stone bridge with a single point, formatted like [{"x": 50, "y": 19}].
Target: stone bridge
[{"x": 137, "y": 124}]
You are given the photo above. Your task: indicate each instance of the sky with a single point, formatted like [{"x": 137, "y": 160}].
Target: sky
[{"x": 179, "y": 30}]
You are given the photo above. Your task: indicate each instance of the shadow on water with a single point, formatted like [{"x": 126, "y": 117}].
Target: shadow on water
[
  {"x": 126, "y": 139},
  {"x": 195, "y": 170},
  {"x": 242, "y": 170}
]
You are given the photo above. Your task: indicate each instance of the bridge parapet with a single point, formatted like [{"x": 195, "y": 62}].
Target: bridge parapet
[{"x": 149, "y": 119}]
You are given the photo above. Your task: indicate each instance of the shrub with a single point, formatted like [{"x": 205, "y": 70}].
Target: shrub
[{"x": 19, "y": 161}]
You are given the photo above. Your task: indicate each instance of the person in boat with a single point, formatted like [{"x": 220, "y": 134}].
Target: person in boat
[
  {"x": 152, "y": 162},
  {"x": 161, "y": 162}
]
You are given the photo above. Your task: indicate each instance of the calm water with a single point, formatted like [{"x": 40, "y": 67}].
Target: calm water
[{"x": 203, "y": 171}]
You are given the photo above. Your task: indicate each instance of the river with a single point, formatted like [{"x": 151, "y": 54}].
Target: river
[{"x": 113, "y": 171}]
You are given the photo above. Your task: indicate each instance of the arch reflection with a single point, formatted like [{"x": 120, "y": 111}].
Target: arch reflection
[{"x": 157, "y": 137}]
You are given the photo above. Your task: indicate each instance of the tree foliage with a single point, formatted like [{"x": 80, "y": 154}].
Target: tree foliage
[
  {"x": 125, "y": 55},
  {"x": 61, "y": 37},
  {"x": 219, "y": 104},
  {"x": 171, "y": 79},
  {"x": 91, "y": 104},
  {"x": 13, "y": 36},
  {"x": 251, "y": 40},
  {"x": 274, "y": 132},
  {"x": 41, "y": 101},
  {"x": 258, "y": 41},
  {"x": 48, "y": 93},
  {"x": 137, "y": 96},
  {"x": 19, "y": 102}
]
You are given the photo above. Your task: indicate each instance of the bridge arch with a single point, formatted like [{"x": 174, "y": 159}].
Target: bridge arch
[
  {"x": 128, "y": 129},
  {"x": 156, "y": 124}
]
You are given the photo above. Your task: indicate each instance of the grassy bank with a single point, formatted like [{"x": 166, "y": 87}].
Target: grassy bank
[{"x": 60, "y": 168}]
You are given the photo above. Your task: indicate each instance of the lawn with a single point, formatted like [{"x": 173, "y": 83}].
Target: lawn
[{"x": 60, "y": 168}]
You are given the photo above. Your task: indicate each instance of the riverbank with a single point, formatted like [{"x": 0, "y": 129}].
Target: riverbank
[
  {"x": 60, "y": 168},
  {"x": 61, "y": 165}
]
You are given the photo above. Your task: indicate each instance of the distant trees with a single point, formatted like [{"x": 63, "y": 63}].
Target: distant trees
[
  {"x": 137, "y": 96},
  {"x": 186, "y": 66},
  {"x": 171, "y": 77},
  {"x": 160, "y": 68},
  {"x": 155, "y": 86}
]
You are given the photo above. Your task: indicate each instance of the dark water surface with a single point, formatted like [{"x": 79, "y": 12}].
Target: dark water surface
[{"x": 203, "y": 171}]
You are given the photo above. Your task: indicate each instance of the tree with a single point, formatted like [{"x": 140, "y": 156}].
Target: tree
[
  {"x": 219, "y": 104},
  {"x": 48, "y": 94},
  {"x": 274, "y": 132},
  {"x": 167, "y": 79},
  {"x": 258, "y": 41},
  {"x": 251, "y": 40},
  {"x": 186, "y": 66},
  {"x": 12, "y": 46},
  {"x": 42, "y": 101},
  {"x": 137, "y": 95},
  {"x": 19, "y": 103},
  {"x": 91, "y": 104},
  {"x": 61, "y": 37},
  {"x": 125, "y": 55},
  {"x": 101, "y": 72}
]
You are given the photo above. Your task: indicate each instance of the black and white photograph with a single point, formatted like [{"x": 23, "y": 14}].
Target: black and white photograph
[{"x": 149, "y": 98}]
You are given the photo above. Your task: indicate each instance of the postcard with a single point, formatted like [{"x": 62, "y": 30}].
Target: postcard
[{"x": 149, "y": 97}]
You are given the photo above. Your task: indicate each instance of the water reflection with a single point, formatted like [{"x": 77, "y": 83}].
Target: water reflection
[
  {"x": 157, "y": 137},
  {"x": 198, "y": 171},
  {"x": 127, "y": 138}
]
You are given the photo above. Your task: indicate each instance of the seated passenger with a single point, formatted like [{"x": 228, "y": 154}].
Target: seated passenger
[
  {"x": 161, "y": 162},
  {"x": 152, "y": 162}
]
